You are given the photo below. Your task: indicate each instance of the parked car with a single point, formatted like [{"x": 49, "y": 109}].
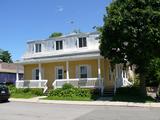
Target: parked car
[{"x": 4, "y": 92}]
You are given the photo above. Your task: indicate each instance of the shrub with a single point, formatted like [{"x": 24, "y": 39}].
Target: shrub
[
  {"x": 33, "y": 91},
  {"x": 67, "y": 86},
  {"x": 37, "y": 91},
  {"x": 128, "y": 91},
  {"x": 71, "y": 92}
]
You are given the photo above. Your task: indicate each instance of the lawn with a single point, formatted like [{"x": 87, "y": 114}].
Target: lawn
[
  {"x": 131, "y": 94},
  {"x": 68, "y": 98},
  {"x": 22, "y": 95},
  {"x": 24, "y": 92}
]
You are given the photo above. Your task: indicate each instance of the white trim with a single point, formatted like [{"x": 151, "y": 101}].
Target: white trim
[
  {"x": 89, "y": 82},
  {"x": 88, "y": 70},
  {"x": 58, "y": 45},
  {"x": 32, "y": 84},
  {"x": 40, "y": 71},
  {"x": 34, "y": 73},
  {"x": 61, "y": 57},
  {"x": 56, "y": 68},
  {"x": 17, "y": 73},
  {"x": 99, "y": 68},
  {"x": 67, "y": 69},
  {"x": 39, "y": 47},
  {"x": 82, "y": 42}
]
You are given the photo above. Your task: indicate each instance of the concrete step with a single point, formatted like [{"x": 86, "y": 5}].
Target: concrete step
[{"x": 108, "y": 93}]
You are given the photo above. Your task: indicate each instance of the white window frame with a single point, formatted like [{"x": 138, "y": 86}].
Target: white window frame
[
  {"x": 56, "y": 72},
  {"x": 38, "y": 47},
  {"x": 88, "y": 70},
  {"x": 34, "y": 73},
  {"x": 82, "y": 42},
  {"x": 59, "y": 45}
]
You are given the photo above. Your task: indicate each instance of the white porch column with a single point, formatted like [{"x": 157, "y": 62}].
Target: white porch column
[
  {"x": 17, "y": 72},
  {"x": 67, "y": 71},
  {"x": 40, "y": 71},
  {"x": 99, "y": 68},
  {"x": 99, "y": 76},
  {"x": 40, "y": 74}
]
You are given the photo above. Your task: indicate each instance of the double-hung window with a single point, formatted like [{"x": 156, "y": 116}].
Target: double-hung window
[
  {"x": 59, "y": 72},
  {"x": 59, "y": 45},
  {"x": 83, "y": 71},
  {"x": 82, "y": 42},
  {"x": 38, "y": 47},
  {"x": 37, "y": 74}
]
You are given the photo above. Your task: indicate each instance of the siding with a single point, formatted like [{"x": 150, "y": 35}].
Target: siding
[{"x": 49, "y": 70}]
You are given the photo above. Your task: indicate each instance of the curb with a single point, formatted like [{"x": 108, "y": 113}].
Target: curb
[{"x": 90, "y": 103}]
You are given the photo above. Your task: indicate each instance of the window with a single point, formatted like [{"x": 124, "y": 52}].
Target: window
[
  {"x": 83, "y": 71},
  {"x": 82, "y": 42},
  {"x": 37, "y": 74},
  {"x": 38, "y": 48},
  {"x": 59, "y": 72},
  {"x": 59, "y": 45}
]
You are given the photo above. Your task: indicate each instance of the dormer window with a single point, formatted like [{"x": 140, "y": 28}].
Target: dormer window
[
  {"x": 82, "y": 42},
  {"x": 38, "y": 47},
  {"x": 59, "y": 45}
]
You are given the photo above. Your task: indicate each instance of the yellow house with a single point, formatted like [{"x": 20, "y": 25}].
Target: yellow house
[{"x": 74, "y": 58}]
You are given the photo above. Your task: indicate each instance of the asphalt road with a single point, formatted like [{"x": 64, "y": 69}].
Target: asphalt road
[{"x": 38, "y": 111}]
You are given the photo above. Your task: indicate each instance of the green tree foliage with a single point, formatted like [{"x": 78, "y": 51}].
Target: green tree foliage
[
  {"x": 5, "y": 56},
  {"x": 131, "y": 33},
  {"x": 55, "y": 34},
  {"x": 154, "y": 72}
]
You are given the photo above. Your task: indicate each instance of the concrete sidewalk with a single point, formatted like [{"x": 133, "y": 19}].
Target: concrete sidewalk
[{"x": 94, "y": 103}]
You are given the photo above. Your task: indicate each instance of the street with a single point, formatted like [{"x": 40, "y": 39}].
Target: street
[{"x": 38, "y": 111}]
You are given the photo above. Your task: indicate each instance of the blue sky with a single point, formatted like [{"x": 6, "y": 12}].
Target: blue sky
[{"x": 24, "y": 20}]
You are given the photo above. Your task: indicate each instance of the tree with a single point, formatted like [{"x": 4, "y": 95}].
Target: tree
[
  {"x": 154, "y": 72},
  {"x": 55, "y": 34},
  {"x": 131, "y": 33},
  {"x": 5, "y": 56}
]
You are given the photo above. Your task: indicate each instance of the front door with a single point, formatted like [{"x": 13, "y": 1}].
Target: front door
[{"x": 59, "y": 72}]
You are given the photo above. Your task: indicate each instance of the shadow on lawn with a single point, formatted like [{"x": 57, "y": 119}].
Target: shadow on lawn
[{"x": 131, "y": 94}]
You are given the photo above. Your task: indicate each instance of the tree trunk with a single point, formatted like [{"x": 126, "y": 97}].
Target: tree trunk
[{"x": 143, "y": 86}]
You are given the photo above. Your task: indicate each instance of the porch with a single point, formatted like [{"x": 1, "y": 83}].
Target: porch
[
  {"x": 83, "y": 80},
  {"x": 80, "y": 83}
]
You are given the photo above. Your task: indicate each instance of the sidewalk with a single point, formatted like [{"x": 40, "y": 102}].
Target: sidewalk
[{"x": 94, "y": 103}]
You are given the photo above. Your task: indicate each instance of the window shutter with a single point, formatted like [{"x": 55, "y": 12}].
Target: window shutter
[
  {"x": 42, "y": 70},
  {"x": 77, "y": 71},
  {"x": 34, "y": 74},
  {"x": 89, "y": 71}
]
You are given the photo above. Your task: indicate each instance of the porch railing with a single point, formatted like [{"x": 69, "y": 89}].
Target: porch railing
[
  {"x": 126, "y": 82},
  {"x": 32, "y": 84},
  {"x": 82, "y": 82}
]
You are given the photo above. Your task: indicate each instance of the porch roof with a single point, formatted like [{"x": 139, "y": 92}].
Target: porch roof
[{"x": 60, "y": 58}]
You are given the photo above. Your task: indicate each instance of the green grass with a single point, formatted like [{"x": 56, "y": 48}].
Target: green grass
[
  {"x": 24, "y": 92},
  {"x": 68, "y": 98},
  {"x": 27, "y": 96},
  {"x": 131, "y": 94},
  {"x": 137, "y": 99}
]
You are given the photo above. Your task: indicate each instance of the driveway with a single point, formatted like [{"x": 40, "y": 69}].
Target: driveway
[{"x": 39, "y": 111}]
